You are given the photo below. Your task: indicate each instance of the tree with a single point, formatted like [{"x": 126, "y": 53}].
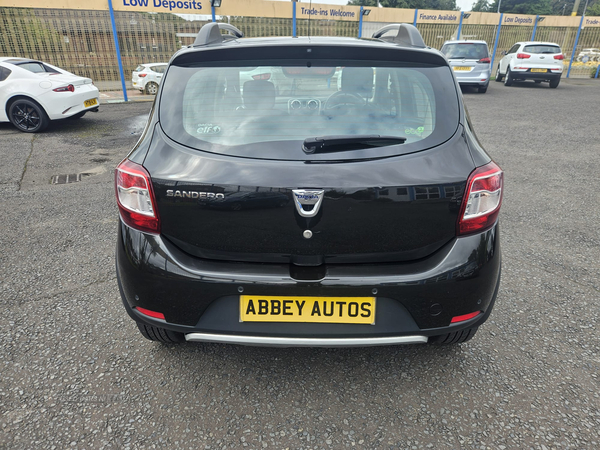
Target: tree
[
  {"x": 447, "y": 5},
  {"x": 593, "y": 9},
  {"x": 524, "y": 6},
  {"x": 481, "y": 6}
]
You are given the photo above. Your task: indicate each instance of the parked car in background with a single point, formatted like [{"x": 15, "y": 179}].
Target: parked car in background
[
  {"x": 32, "y": 93},
  {"x": 146, "y": 77},
  {"x": 589, "y": 54},
  {"x": 390, "y": 234},
  {"x": 470, "y": 61},
  {"x": 538, "y": 61}
]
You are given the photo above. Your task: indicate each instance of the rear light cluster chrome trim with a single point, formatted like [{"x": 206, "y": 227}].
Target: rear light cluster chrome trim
[{"x": 303, "y": 342}]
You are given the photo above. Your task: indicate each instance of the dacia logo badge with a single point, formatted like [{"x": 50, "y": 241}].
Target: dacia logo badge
[{"x": 308, "y": 201}]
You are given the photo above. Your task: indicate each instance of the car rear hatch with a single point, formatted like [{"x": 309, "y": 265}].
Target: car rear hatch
[
  {"x": 467, "y": 58},
  {"x": 290, "y": 169},
  {"x": 540, "y": 58}
]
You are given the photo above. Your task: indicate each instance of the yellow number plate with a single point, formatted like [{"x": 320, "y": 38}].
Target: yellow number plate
[
  {"x": 256, "y": 308},
  {"x": 90, "y": 102},
  {"x": 539, "y": 70},
  {"x": 461, "y": 68}
]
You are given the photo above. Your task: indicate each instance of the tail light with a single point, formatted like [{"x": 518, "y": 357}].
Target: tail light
[
  {"x": 69, "y": 88},
  {"x": 482, "y": 200},
  {"x": 262, "y": 76},
  {"x": 142, "y": 75},
  {"x": 523, "y": 56},
  {"x": 485, "y": 60},
  {"x": 135, "y": 197},
  {"x": 559, "y": 56}
]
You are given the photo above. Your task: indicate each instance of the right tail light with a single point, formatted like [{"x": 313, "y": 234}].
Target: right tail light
[
  {"x": 483, "y": 197},
  {"x": 559, "y": 56}
]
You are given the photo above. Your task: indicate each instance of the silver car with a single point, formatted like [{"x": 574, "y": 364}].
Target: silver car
[{"x": 470, "y": 61}]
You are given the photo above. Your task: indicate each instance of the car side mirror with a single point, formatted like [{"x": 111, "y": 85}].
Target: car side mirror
[{"x": 504, "y": 53}]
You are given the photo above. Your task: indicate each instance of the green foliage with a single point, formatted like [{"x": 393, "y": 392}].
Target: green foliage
[
  {"x": 593, "y": 9},
  {"x": 523, "y": 6},
  {"x": 481, "y": 6},
  {"x": 447, "y": 5}
]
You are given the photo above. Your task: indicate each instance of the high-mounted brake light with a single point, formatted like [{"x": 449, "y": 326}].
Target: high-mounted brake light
[
  {"x": 485, "y": 60},
  {"x": 559, "y": 56},
  {"x": 69, "y": 88},
  {"x": 523, "y": 56},
  {"x": 482, "y": 200},
  {"x": 135, "y": 197}
]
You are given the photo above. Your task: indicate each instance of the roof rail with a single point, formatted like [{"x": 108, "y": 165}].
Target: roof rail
[
  {"x": 211, "y": 33},
  {"x": 407, "y": 35}
]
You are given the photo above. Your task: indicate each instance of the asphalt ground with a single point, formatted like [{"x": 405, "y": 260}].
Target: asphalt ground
[{"x": 76, "y": 373}]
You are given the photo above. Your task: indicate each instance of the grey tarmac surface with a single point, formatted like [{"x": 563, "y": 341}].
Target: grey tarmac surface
[{"x": 76, "y": 374}]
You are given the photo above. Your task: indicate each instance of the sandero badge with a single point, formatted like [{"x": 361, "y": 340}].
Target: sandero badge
[{"x": 355, "y": 213}]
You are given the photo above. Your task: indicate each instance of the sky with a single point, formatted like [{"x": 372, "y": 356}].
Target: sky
[{"x": 465, "y": 5}]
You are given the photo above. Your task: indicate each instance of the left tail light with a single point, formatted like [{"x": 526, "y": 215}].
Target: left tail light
[
  {"x": 523, "y": 56},
  {"x": 482, "y": 200},
  {"x": 135, "y": 197},
  {"x": 69, "y": 88},
  {"x": 485, "y": 60}
]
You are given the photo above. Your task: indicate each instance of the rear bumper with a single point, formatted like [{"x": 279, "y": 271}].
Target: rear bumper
[
  {"x": 481, "y": 78},
  {"x": 415, "y": 301},
  {"x": 523, "y": 75}
]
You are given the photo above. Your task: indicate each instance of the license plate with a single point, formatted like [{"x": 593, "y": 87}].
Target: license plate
[
  {"x": 90, "y": 102},
  {"x": 356, "y": 310},
  {"x": 539, "y": 70},
  {"x": 461, "y": 68}
]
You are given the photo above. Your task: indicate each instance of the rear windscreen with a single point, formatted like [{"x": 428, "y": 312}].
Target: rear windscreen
[
  {"x": 465, "y": 51},
  {"x": 269, "y": 110},
  {"x": 551, "y": 49}
]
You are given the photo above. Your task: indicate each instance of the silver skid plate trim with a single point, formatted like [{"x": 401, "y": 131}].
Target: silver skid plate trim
[{"x": 269, "y": 341}]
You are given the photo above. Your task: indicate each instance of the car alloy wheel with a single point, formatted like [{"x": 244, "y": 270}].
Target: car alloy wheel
[
  {"x": 151, "y": 88},
  {"x": 27, "y": 116},
  {"x": 498, "y": 75},
  {"x": 509, "y": 79}
]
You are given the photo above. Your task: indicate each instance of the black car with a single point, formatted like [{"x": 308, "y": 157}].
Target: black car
[{"x": 391, "y": 231}]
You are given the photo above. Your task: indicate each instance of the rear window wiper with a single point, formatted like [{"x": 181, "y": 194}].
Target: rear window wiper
[{"x": 330, "y": 144}]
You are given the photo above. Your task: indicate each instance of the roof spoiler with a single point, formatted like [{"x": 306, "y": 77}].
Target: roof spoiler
[
  {"x": 211, "y": 33},
  {"x": 407, "y": 35}
]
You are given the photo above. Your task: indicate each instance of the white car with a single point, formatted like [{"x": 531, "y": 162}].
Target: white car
[
  {"x": 146, "y": 77},
  {"x": 589, "y": 54},
  {"x": 32, "y": 93},
  {"x": 538, "y": 61}
]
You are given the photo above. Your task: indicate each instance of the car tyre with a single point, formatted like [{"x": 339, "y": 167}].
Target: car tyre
[
  {"x": 482, "y": 89},
  {"x": 457, "y": 337},
  {"x": 554, "y": 83},
  {"x": 151, "y": 88},
  {"x": 27, "y": 115},
  {"x": 508, "y": 81},
  {"x": 158, "y": 334},
  {"x": 498, "y": 74}
]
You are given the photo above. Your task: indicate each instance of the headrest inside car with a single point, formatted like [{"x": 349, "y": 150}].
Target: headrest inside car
[
  {"x": 259, "y": 94},
  {"x": 358, "y": 80}
]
